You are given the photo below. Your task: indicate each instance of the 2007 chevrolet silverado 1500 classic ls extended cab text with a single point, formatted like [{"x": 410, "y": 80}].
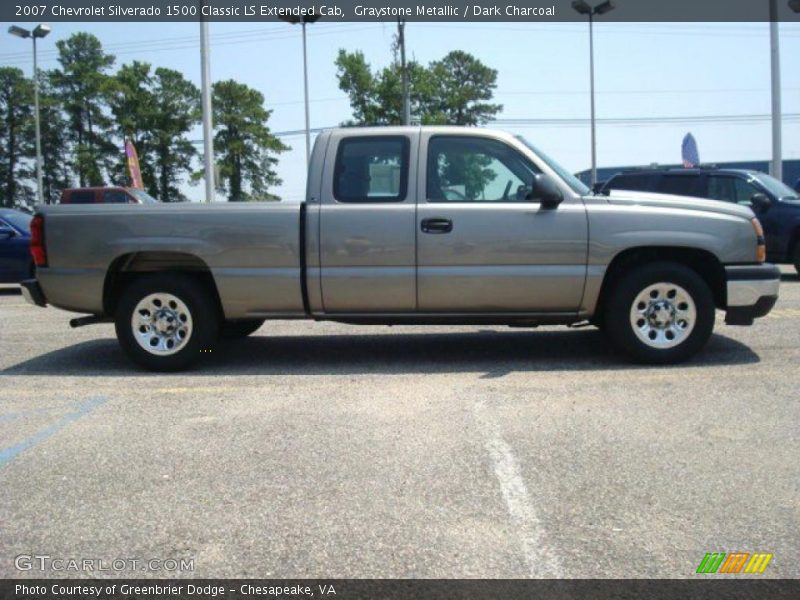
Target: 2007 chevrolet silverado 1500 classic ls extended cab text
[{"x": 410, "y": 225}]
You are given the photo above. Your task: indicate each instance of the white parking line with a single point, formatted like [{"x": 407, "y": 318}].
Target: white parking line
[{"x": 541, "y": 560}]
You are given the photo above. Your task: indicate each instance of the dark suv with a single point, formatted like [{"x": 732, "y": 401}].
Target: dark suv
[{"x": 775, "y": 204}]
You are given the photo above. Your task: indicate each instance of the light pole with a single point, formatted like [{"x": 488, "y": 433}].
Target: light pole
[
  {"x": 776, "y": 168},
  {"x": 39, "y": 31},
  {"x": 585, "y": 9},
  {"x": 304, "y": 20},
  {"x": 775, "y": 59},
  {"x": 205, "y": 99}
]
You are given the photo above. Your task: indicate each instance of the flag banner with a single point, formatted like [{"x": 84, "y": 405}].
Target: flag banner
[
  {"x": 689, "y": 153},
  {"x": 133, "y": 165}
]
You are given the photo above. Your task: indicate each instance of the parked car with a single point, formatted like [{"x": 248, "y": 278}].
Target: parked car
[
  {"x": 775, "y": 204},
  {"x": 15, "y": 236},
  {"x": 409, "y": 225},
  {"x": 106, "y": 195}
]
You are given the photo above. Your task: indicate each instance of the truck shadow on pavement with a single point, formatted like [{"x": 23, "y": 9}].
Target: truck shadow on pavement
[{"x": 495, "y": 353}]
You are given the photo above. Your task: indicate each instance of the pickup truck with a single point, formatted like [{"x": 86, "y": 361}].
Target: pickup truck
[{"x": 409, "y": 225}]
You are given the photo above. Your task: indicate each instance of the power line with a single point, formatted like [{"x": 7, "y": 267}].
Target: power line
[{"x": 192, "y": 43}]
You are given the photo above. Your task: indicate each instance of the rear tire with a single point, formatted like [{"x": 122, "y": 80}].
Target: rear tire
[
  {"x": 796, "y": 257},
  {"x": 234, "y": 330},
  {"x": 660, "y": 313},
  {"x": 166, "y": 322}
]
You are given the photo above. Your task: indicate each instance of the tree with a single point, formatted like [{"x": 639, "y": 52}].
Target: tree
[
  {"x": 156, "y": 110},
  {"x": 133, "y": 106},
  {"x": 454, "y": 90},
  {"x": 244, "y": 146},
  {"x": 83, "y": 85},
  {"x": 377, "y": 99},
  {"x": 462, "y": 89},
  {"x": 53, "y": 128},
  {"x": 177, "y": 111},
  {"x": 16, "y": 136}
]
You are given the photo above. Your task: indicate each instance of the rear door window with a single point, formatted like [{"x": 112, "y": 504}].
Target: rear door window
[
  {"x": 680, "y": 185},
  {"x": 634, "y": 182},
  {"x": 371, "y": 169},
  {"x": 721, "y": 187}
]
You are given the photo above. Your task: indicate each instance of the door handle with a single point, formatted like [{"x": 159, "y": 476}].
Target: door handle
[{"x": 436, "y": 225}]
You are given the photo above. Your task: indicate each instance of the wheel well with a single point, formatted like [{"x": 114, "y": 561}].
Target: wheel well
[
  {"x": 795, "y": 239},
  {"x": 127, "y": 268},
  {"x": 702, "y": 262}
]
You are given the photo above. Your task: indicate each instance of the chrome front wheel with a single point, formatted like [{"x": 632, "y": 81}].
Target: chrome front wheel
[
  {"x": 659, "y": 313},
  {"x": 663, "y": 315}
]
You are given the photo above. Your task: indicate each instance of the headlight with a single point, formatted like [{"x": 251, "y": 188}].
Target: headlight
[{"x": 761, "y": 247}]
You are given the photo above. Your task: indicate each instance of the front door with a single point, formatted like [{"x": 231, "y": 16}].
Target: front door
[
  {"x": 485, "y": 244},
  {"x": 367, "y": 253}
]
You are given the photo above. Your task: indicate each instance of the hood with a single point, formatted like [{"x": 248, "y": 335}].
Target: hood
[{"x": 681, "y": 202}]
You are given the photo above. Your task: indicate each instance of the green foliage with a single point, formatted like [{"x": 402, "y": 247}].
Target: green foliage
[
  {"x": 16, "y": 136},
  {"x": 245, "y": 148},
  {"x": 455, "y": 90},
  {"x": 87, "y": 112},
  {"x": 178, "y": 110},
  {"x": 84, "y": 85},
  {"x": 156, "y": 110},
  {"x": 53, "y": 126}
]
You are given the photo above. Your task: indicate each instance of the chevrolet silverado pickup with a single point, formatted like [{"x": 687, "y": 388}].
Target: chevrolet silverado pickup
[{"x": 409, "y": 225}]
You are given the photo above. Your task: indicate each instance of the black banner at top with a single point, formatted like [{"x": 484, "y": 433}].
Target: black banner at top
[{"x": 390, "y": 10}]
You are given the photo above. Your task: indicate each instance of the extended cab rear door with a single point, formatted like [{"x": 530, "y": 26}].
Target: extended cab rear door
[
  {"x": 483, "y": 246},
  {"x": 366, "y": 237}
]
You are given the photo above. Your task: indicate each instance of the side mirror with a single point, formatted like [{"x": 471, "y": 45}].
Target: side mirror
[
  {"x": 7, "y": 233},
  {"x": 545, "y": 191},
  {"x": 760, "y": 201}
]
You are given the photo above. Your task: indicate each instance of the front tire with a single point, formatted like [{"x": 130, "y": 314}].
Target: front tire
[
  {"x": 165, "y": 322},
  {"x": 660, "y": 313},
  {"x": 796, "y": 257}
]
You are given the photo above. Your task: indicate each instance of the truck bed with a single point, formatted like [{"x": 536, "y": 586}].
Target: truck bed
[{"x": 252, "y": 250}]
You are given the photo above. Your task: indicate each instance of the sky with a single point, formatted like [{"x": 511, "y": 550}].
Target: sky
[{"x": 650, "y": 70}]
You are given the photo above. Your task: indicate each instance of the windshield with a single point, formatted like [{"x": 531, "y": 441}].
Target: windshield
[
  {"x": 143, "y": 196},
  {"x": 775, "y": 187},
  {"x": 576, "y": 184},
  {"x": 18, "y": 220}
]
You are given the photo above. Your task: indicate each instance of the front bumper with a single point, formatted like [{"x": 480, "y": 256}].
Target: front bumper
[
  {"x": 32, "y": 292},
  {"x": 752, "y": 292}
]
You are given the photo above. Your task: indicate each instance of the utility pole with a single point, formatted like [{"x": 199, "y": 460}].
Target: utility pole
[
  {"x": 401, "y": 41},
  {"x": 40, "y": 31},
  {"x": 304, "y": 20},
  {"x": 776, "y": 168},
  {"x": 208, "y": 126},
  {"x": 583, "y": 8}
]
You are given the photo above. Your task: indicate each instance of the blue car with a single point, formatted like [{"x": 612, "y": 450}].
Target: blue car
[{"x": 15, "y": 240}]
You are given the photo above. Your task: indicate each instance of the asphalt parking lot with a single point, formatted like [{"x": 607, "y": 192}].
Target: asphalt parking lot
[{"x": 326, "y": 450}]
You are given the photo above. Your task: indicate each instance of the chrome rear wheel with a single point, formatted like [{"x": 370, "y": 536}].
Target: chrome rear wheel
[{"x": 161, "y": 324}]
